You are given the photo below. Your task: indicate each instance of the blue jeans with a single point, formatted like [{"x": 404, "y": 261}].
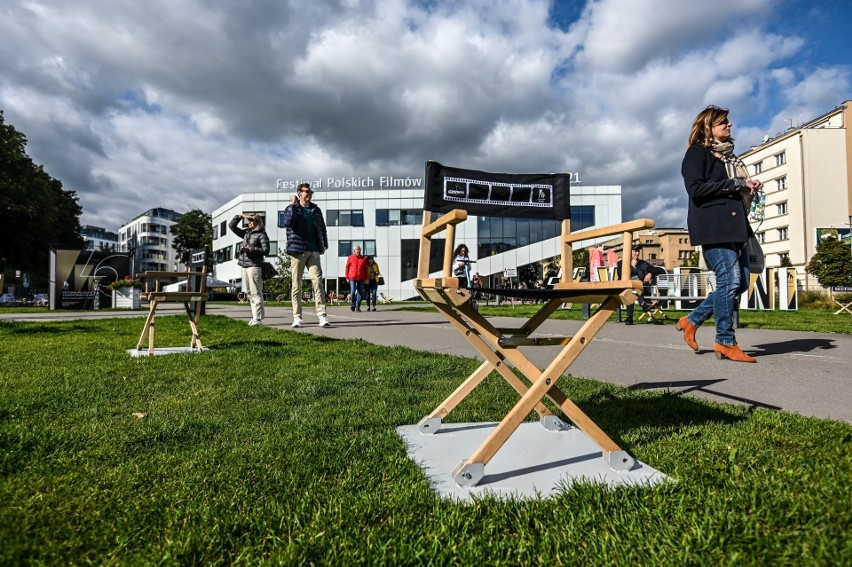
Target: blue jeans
[
  {"x": 356, "y": 293},
  {"x": 730, "y": 264},
  {"x": 372, "y": 292}
]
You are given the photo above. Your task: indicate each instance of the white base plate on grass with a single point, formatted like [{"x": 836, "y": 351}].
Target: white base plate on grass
[
  {"x": 158, "y": 351},
  {"x": 533, "y": 463}
]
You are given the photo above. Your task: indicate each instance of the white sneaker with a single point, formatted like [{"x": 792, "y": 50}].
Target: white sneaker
[
  {"x": 297, "y": 322},
  {"x": 324, "y": 322},
  {"x": 254, "y": 322}
]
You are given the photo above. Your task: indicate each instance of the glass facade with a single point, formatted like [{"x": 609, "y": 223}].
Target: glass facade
[
  {"x": 345, "y": 247},
  {"x": 411, "y": 252},
  {"x": 398, "y": 217},
  {"x": 497, "y": 235},
  {"x": 344, "y": 218}
]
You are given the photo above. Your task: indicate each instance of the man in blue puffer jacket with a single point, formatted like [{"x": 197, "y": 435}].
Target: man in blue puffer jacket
[{"x": 307, "y": 239}]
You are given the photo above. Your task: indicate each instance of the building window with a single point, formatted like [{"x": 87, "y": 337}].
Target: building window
[
  {"x": 368, "y": 247},
  {"x": 781, "y": 159},
  {"x": 781, "y": 183},
  {"x": 758, "y": 167},
  {"x": 782, "y": 208},
  {"x": 223, "y": 226},
  {"x": 223, "y": 255},
  {"x": 410, "y": 249},
  {"x": 345, "y": 218},
  {"x": 783, "y": 233},
  {"x": 761, "y": 237},
  {"x": 273, "y": 248},
  {"x": 582, "y": 216},
  {"x": 397, "y": 217},
  {"x": 215, "y": 232}
]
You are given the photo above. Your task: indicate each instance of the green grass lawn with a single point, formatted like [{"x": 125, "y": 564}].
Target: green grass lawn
[{"x": 280, "y": 447}]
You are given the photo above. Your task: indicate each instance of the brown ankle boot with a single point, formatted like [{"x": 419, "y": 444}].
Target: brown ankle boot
[
  {"x": 688, "y": 332},
  {"x": 732, "y": 352}
]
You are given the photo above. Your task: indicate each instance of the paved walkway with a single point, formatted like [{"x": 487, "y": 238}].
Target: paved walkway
[{"x": 807, "y": 373}]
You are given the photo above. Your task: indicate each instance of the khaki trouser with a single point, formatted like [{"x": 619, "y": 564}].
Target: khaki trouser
[
  {"x": 298, "y": 263},
  {"x": 253, "y": 285}
]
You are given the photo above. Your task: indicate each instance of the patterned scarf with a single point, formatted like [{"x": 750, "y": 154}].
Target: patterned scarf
[
  {"x": 753, "y": 204},
  {"x": 725, "y": 152}
]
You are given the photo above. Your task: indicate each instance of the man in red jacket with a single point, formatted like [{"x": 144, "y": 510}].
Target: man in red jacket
[{"x": 357, "y": 273}]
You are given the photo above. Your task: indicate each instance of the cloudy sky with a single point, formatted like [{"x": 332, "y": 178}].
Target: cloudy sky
[{"x": 186, "y": 103}]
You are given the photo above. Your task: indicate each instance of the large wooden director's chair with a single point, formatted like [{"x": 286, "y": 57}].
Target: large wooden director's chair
[
  {"x": 455, "y": 193},
  {"x": 193, "y": 298}
]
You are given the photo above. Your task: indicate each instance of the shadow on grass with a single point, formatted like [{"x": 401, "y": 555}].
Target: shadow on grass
[
  {"x": 654, "y": 416},
  {"x": 47, "y": 329}
]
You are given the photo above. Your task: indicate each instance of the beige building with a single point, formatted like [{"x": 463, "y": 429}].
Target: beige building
[
  {"x": 807, "y": 177},
  {"x": 666, "y": 247}
]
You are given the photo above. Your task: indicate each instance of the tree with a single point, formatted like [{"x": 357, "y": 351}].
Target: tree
[
  {"x": 193, "y": 230},
  {"x": 280, "y": 284},
  {"x": 832, "y": 264},
  {"x": 36, "y": 214},
  {"x": 528, "y": 274},
  {"x": 693, "y": 260}
]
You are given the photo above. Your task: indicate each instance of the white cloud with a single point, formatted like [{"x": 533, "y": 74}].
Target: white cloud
[{"x": 184, "y": 104}]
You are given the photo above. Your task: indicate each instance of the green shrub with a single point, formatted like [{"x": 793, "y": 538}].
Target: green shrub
[{"x": 815, "y": 300}]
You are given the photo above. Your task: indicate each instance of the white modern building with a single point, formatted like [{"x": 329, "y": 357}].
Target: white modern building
[
  {"x": 386, "y": 224},
  {"x": 150, "y": 241},
  {"x": 807, "y": 177}
]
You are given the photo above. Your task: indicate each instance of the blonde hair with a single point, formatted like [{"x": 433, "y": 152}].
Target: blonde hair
[{"x": 702, "y": 128}]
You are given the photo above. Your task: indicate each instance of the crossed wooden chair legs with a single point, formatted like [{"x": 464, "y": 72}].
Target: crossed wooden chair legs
[
  {"x": 148, "y": 329},
  {"x": 499, "y": 346}
]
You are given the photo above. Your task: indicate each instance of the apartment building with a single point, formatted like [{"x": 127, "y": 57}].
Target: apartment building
[
  {"x": 149, "y": 240},
  {"x": 807, "y": 176}
]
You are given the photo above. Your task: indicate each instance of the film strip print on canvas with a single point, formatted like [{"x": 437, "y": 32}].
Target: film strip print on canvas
[{"x": 474, "y": 191}]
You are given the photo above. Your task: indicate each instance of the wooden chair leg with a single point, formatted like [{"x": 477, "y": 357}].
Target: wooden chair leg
[
  {"x": 149, "y": 327},
  {"x": 195, "y": 342},
  {"x": 471, "y": 471}
]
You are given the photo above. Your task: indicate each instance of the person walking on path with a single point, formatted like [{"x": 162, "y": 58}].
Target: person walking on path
[
  {"x": 372, "y": 286},
  {"x": 461, "y": 266},
  {"x": 357, "y": 274},
  {"x": 720, "y": 193},
  {"x": 254, "y": 249},
  {"x": 307, "y": 240}
]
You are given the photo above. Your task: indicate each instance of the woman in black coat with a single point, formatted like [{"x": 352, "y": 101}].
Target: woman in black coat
[{"x": 719, "y": 188}]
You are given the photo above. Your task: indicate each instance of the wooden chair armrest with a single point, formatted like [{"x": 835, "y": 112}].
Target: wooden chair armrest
[
  {"x": 452, "y": 218},
  {"x": 630, "y": 226}
]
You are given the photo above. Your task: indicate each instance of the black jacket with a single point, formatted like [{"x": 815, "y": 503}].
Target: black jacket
[
  {"x": 256, "y": 241},
  {"x": 716, "y": 213}
]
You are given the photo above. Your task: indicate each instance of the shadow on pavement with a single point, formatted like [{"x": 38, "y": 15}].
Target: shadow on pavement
[
  {"x": 688, "y": 386},
  {"x": 795, "y": 345}
]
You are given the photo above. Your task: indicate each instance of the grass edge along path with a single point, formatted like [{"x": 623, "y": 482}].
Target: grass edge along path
[{"x": 280, "y": 447}]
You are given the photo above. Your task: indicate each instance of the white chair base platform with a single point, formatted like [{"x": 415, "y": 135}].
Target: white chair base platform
[
  {"x": 159, "y": 351},
  {"x": 534, "y": 462}
]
